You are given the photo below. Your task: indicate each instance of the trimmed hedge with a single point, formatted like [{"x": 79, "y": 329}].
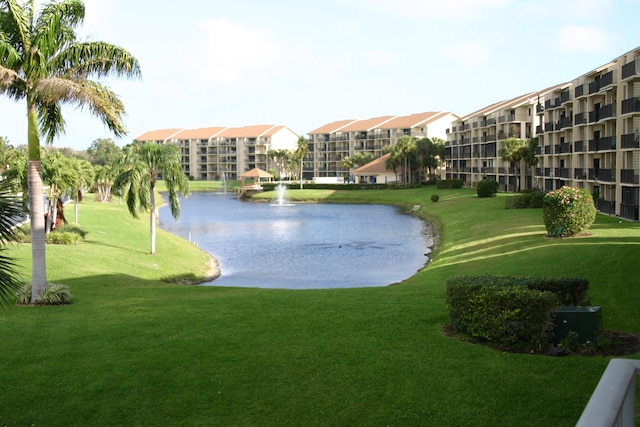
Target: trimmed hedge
[
  {"x": 487, "y": 188},
  {"x": 448, "y": 184},
  {"x": 524, "y": 200},
  {"x": 508, "y": 311}
]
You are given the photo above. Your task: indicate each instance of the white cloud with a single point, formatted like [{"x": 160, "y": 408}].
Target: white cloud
[
  {"x": 585, "y": 39},
  {"x": 229, "y": 53},
  {"x": 432, "y": 9}
]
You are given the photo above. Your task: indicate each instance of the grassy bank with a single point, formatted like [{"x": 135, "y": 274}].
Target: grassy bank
[{"x": 134, "y": 350}]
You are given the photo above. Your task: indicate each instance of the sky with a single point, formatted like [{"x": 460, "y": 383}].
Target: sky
[{"x": 304, "y": 64}]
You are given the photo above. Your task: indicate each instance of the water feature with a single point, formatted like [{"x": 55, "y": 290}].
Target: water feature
[
  {"x": 281, "y": 191},
  {"x": 309, "y": 247}
]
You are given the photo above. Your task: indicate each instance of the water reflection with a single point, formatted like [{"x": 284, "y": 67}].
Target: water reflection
[{"x": 306, "y": 246}]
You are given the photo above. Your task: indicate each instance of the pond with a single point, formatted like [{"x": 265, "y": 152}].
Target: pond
[{"x": 302, "y": 246}]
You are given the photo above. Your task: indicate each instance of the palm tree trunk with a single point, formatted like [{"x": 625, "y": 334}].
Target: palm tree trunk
[
  {"x": 152, "y": 221},
  {"x": 36, "y": 203}
]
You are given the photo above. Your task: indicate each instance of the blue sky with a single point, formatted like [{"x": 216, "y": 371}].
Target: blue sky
[{"x": 305, "y": 64}]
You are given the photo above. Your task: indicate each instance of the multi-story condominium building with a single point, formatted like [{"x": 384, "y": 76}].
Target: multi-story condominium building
[
  {"x": 590, "y": 136},
  {"x": 330, "y": 143},
  {"x": 216, "y": 152},
  {"x": 588, "y": 132},
  {"x": 475, "y": 140}
]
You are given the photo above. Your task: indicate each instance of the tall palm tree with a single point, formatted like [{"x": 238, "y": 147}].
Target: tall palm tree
[
  {"x": 141, "y": 166},
  {"x": 302, "y": 151},
  {"x": 519, "y": 151},
  {"x": 11, "y": 213},
  {"x": 42, "y": 63}
]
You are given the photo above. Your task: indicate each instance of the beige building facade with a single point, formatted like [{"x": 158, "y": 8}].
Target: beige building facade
[
  {"x": 330, "y": 143},
  {"x": 215, "y": 153}
]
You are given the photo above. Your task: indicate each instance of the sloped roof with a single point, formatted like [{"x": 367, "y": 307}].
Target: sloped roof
[
  {"x": 368, "y": 124},
  {"x": 375, "y": 166},
  {"x": 331, "y": 127},
  {"x": 200, "y": 133},
  {"x": 157, "y": 135},
  {"x": 253, "y": 131},
  {"x": 256, "y": 173},
  {"x": 412, "y": 120}
]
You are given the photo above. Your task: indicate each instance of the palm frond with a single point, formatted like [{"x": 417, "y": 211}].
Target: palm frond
[
  {"x": 11, "y": 211},
  {"x": 97, "y": 59}
]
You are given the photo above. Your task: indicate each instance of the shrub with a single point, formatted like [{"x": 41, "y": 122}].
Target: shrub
[
  {"x": 448, "y": 184},
  {"x": 67, "y": 234},
  {"x": 487, "y": 188},
  {"x": 526, "y": 199},
  {"x": 435, "y": 198},
  {"x": 52, "y": 294},
  {"x": 500, "y": 313},
  {"x": 568, "y": 208}
]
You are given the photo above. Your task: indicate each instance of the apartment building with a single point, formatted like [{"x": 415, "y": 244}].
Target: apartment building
[
  {"x": 330, "y": 143},
  {"x": 590, "y": 136},
  {"x": 212, "y": 153},
  {"x": 475, "y": 140}
]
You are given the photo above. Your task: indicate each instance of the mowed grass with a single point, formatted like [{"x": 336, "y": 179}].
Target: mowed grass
[{"x": 133, "y": 350}]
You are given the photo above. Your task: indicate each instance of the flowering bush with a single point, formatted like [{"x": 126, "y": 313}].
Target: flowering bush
[{"x": 569, "y": 208}]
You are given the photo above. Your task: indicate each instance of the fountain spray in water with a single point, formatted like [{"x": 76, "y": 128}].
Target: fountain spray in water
[{"x": 280, "y": 200}]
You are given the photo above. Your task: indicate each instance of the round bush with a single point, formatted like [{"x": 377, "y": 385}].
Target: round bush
[
  {"x": 569, "y": 208},
  {"x": 487, "y": 188},
  {"x": 435, "y": 198}
]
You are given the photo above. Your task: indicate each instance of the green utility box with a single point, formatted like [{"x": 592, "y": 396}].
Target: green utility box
[{"x": 585, "y": 321}]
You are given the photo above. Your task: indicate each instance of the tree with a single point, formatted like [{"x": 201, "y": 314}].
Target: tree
[
  {"x": 82, "y": 177},
  {"x": 105, "y": 176},
  {"x": 57, "y": 175},
  {"x": 520, "y": 151},
  {"x": 301, "y": 152},
  {"x": 403, "y": 155},
  {"x": 7, "y": 152},
  {"x": 103, "y": 151},
  {"x": 43, "y": 64},
  {"x": 141, "y": 166},
  {"x": 11, "y": 213},
  {"x": 282, "y": 160}
]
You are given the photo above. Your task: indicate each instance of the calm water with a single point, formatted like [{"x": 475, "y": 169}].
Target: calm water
[{"x": 304, "y": 246}]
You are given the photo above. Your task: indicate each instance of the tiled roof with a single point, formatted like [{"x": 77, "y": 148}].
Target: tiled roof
[
  {"x": 157, "y": 135},
  {"x": 365, "y": 125},
  {"x": 331, "y": 127},
  {"x": 200, "y": 133},
  {"x": 374, "y": 166},
  {"x": 413, "y": 120},
  {"x": 248, "y": 131}
]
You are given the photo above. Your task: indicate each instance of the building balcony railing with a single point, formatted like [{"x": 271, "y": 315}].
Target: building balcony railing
[
  {"x": 578, "y": 146},
  {"x": 507, "y": 118},
  {"x": 631, "y": 69},
  {"x": 539, "y": 108},
  {"x": 630, "y": 212},
  {"x": 562, "y": 173},
  {"x": 565, "y": 122},
  {"x": 488, "y": 138},
  {"x": 630, "y": 140},
  {"x": 605, "y": 143},
  {"x": 580, "y": 119},
  {"x": 548, "y": 127},
  {"x": 565, "y": 97},
  {"x": 552, "y": 103},
  {"x": 603, "y": 175},
  {"x": 606, "y": 206},
  {"x": 547, "y": 149},
  {"x": 578, "y": 91},
  {"x": 539, "y": 130},
  {"x": 601, "y": 82},
  {"x": 579, "y": 173},
  {"x": 629, "y": 176},
  {"x": 631, "y": 105}
]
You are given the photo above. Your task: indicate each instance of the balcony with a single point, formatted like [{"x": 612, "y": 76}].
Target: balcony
[
  {"x": 601, "y": 82},
  {"x": 605, "y": 143},
  {"x": 539, "y": 130},
  {"x": 580, "y": 119},
  {"x": 602, "y": 175},
  {"x": 548, "y": 127},
  {"x": 565, "y": 97},
  {"x": 629, "y": 176},
  {"x": 578, "y": 173},
  {"x": 488, "y": 138},
  {"x": 606, "y": 206},
  {"x": 565, "y": 122},
  {"x": 631, "y": 69},
  {"x": 578, "y": 147},
  {"x": 578, "y": 92},
  {"x": 562, "y": 173},
  {"x": 539, "y": 108},
  {"x": 631, "y": 105},
  {"x": 630, "y": 140},
  {"x": 630, "y": 212}
]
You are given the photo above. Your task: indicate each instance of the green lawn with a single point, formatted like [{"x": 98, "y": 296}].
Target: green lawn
[{"x": 133, "y": 350}]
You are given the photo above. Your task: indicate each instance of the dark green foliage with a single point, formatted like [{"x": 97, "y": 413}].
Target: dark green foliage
[
  {"x": 487, "y": 188},
  {"x": 510, "y": 311},
  {"x": 568, "y": 208},
  {"x": 526, "y": 199},
  {"x": 435, "y": 198},
  {"x": 447, "y": 184},
  {"x": 502, "y": 315}
]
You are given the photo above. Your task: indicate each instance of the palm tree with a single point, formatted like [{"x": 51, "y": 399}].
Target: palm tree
[
  {"x": 11, "y": 213},
  {"x": 141, "y": 165},
  {"x": 301, "y": 152},
  {"x": 42, "y": 63},
  {"x": 518, "y": 151},
  {"x": 82, "y": 178}
]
